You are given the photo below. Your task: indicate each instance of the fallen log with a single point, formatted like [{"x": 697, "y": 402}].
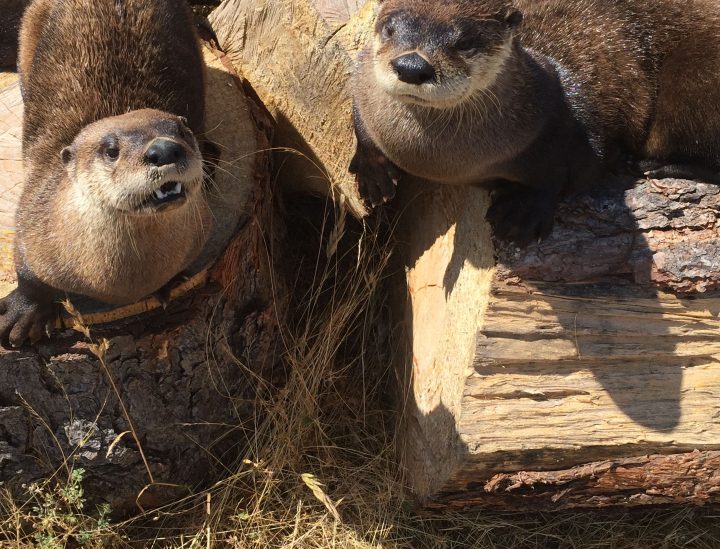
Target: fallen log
[
  {"x": 597, "y": 345},
  {"x": 690, "y": 478},
  {"x": 151, "y": 402},
  {"x": 591, "y": 351}
]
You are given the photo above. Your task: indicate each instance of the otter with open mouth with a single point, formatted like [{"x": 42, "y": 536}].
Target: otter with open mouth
[
  {"x": 132, "y": 205},
  {"x": 113, "y": 204},
  {"x": 536, "y": 99}
]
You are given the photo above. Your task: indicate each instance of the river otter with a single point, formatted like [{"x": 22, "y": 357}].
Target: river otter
[
  {"x": 113, "y": 204},
  {"x": 536, "y": 98}
]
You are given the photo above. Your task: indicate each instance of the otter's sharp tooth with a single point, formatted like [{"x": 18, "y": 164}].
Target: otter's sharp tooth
[
  {"x": 178, "y": 188},
  {"x": 159, "y": 194}
]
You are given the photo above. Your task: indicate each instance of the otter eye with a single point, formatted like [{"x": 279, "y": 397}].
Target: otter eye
[
  {"x": 112, "y": 153},
  {"x": 109, "y": 149},
  {"x": 467, "y": 44},
  {"x": 387, "y": 31}
]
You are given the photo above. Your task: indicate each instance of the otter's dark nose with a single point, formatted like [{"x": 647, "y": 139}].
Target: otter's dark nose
[
  {"x": 162, "y": 152},
  {"x": 413, "y": 69}
]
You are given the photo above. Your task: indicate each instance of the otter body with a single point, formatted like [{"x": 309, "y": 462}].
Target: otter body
[
  {"x": 112, "y": 205},
  {"x": 537, "y": 98}
]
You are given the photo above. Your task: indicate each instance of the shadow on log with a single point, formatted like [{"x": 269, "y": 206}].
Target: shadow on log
[{"x": 165, "y": 410}]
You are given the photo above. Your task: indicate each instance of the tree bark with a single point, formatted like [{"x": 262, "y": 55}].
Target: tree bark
[
  {"x": 161, "y": 413},
  {"x": 690, "y": 478}
]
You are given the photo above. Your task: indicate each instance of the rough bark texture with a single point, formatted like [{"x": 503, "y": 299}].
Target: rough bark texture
[
  {"x": 631, "y": 482},
  {"x": 175, "y": 385},
  {"x": 662, "y": 233}
]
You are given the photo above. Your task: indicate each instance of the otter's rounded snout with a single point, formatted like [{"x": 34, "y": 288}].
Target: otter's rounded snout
[
  {"x": 162, "y": 152},
  {"x": 413, "y": 68}
]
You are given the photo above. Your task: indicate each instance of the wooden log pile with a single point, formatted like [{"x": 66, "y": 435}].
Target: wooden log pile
[{"x": 580, "y": 372}]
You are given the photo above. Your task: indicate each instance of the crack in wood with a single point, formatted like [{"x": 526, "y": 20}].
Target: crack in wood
[{"x": 538, "y": 396}]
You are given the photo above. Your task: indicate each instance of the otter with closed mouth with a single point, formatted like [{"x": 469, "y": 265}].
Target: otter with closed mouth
[
  {"x": 536, "y": 99},
  {"x": 113, "y": 205}
]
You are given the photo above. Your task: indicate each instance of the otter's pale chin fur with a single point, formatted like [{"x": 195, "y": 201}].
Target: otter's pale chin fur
[
  {"x": 98, "y": 188},
  {"x": 133, "y": 190}
]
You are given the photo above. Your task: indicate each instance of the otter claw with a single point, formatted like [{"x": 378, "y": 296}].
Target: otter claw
[
  {"x": 163, "y": 297},
  {"x": 23, "y": 319},
  {"x": 522, "y": 216},
  {"x": 376, "y": 177}
]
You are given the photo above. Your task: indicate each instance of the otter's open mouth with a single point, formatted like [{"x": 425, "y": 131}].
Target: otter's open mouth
[
  {"x": 415, "y": 99},
  {"x": 170, "y": 192}
]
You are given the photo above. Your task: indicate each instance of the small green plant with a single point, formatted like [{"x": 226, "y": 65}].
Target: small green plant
[{"x": 58, "y": 515}]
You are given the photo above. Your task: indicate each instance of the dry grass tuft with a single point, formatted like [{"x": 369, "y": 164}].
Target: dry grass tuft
[{"x": 320, "y": 469}]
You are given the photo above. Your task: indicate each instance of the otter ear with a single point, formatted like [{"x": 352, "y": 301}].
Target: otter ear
[
  {"x": 66, "y": 155},
  {"x": 513, "y": 18}
]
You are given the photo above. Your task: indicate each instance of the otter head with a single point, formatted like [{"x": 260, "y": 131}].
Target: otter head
[
  {"x": 140, "y": 163},
  {"x": 439, "y": 53}
]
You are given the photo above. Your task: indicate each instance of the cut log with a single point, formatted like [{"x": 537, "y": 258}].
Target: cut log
[
  {"x": 11, "y": 170},
  {"x": 579, "y": 372},
  {"x": 298, "y": 64},
  {"x": 534, "y": 371},
  {"x": 160, "y": 414}
]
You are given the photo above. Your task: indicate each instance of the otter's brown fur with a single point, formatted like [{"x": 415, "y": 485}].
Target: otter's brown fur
[
  {"x": 578, "y": 86},
  {"x": 99, "y": 240},
  {"x": 99, "y": 76}
]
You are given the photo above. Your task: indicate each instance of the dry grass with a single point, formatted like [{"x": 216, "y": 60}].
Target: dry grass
[{"x": 321, "y": 468}]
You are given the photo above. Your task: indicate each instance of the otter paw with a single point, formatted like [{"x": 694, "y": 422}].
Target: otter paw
[
  {"x": 23, "y": 319},
  {"x": 521, "y": 216},
  {"x": 376, "y": 177},
  {"x": 653, "y": 169}
]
